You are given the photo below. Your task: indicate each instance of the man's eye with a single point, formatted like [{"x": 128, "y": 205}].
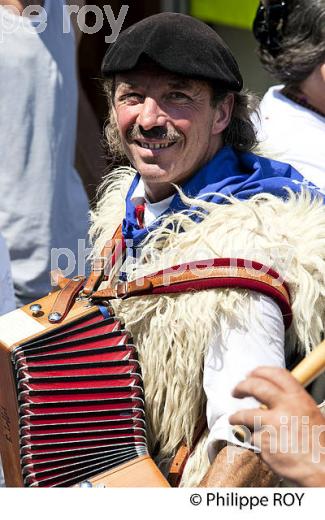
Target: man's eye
[
  {"x": 178, "y": 95},
  {"x": 130, "y": 96}
]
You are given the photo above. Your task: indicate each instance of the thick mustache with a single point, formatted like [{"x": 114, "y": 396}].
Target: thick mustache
[{"x": 136, "y": 132}]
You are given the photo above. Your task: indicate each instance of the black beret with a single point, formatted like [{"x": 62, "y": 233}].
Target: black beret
[{"x": 178, "y": 43}]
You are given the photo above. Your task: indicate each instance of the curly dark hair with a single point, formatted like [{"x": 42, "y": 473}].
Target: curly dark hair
[
  {"x": 302, "y": 42},
  {"x": 240, "y": 133}
]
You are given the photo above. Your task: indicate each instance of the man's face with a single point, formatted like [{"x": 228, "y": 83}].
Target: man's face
[{"x": 167, "y": 125}]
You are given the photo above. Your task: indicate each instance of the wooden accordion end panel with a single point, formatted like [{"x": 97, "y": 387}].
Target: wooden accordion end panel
[{"x": 72, "y": 402}]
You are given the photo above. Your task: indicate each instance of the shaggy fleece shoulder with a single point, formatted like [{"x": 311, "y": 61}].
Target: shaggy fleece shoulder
[
  {"x": 110, "y": 209},
  {"x": 287, "y": 235},
  {"x": 173, "y": 332}
]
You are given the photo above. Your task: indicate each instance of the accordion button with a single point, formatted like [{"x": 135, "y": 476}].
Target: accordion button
[
  {"x": 54, "y": 317},
  {"x": 35, "y": 309}
]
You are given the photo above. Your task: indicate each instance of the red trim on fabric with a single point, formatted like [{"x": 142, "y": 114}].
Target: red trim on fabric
[
  {"x": 241, "y": 283},
  {"x": 230, "y": 282}
]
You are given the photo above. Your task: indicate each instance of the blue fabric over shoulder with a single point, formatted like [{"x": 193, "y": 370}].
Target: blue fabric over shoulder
[{"x": 238, "y": 174}]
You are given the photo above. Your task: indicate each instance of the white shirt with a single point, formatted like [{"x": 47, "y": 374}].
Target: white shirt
[
  {"x": 228, "y": 364},
  {"x": 152, "y": 210},
  {"x": 293, "y": 134},
  {"x": 43, "y": 204}
]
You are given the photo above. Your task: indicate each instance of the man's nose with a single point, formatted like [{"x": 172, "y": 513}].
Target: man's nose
[{"x": 151, "y": 114}]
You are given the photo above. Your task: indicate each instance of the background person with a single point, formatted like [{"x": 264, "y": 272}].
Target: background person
[
  {"x": 7, "y": 298},
  {"x": 291, "y": 35},
  {"x": 292, "y": 126},
  {"x": 43, "y": 202},
  {"x": 302, "y": 457}
]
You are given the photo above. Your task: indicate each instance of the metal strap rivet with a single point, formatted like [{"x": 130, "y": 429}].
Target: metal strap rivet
[
  {"x": 54, "y": 317},
  {"x": 35, "y": 309}
]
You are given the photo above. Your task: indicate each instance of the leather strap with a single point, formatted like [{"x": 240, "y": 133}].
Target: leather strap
[
  {"x": 183, "y": 453},
  {"x": 106, "y": 260},
  {"x": 65, "y": 299},
  {"x": 111, "y": 253},
  {"x": 57, "y": 279},
  {"x": 208, "y": 274}
]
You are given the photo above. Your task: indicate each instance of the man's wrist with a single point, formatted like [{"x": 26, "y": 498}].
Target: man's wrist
[{"x": 235, "y": 466}]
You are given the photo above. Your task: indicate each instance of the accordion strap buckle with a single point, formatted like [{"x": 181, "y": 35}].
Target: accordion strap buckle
[{"x": 122, "y": 289}]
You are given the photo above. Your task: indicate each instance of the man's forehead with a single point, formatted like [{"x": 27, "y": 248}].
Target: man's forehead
[{"x": 141, "y": 75}]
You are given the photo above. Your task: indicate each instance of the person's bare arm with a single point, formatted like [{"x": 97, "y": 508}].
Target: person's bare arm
[
  {"x": 292, "y": 437},
  {"x": 238, "y": 467},
  {"x": 20, "y": 5}
]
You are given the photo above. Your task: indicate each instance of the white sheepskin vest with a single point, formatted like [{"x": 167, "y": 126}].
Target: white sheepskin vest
[{"x": 172, "y": 333}]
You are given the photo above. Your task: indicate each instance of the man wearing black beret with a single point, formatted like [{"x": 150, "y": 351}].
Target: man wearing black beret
[{"x": 194, "y": 192}]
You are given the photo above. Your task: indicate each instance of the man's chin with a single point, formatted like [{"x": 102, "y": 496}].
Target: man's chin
[{"x": 152, "y": 172}]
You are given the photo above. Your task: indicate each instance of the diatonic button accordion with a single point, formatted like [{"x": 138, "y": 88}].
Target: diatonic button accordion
[{"x": 72, "y": 403}]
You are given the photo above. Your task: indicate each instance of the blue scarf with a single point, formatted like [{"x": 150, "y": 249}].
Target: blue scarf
[{"x": 241, "y": 175}]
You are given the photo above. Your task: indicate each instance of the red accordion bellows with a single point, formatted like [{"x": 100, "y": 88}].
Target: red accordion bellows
[{"x": 80, "y": 402}]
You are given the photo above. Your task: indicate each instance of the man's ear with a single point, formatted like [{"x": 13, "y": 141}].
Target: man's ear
[
  {"x": 322, "y": 71},
  {"x": 223, "y": 114}
]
